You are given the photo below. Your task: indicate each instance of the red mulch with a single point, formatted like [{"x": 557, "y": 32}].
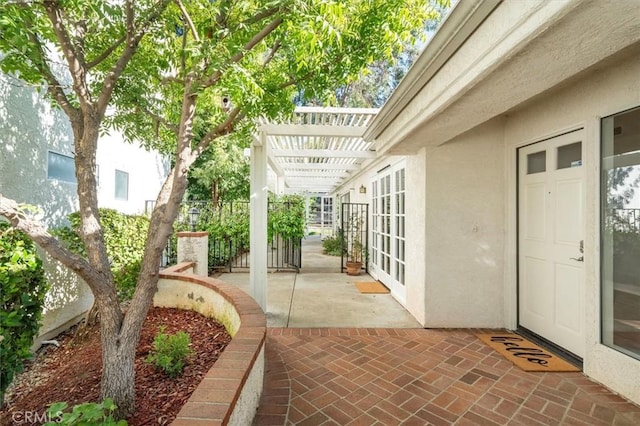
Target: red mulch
[{"x": 71, "y": 373}]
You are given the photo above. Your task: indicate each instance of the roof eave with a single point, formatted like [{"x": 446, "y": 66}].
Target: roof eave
[{"x": 461, "y": 22}]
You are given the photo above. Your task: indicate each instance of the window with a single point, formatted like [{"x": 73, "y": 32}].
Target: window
[
  {"x": 620, "y": 232},
  {"x": 536, "y": 162},
  {"x": 122, "y": 185},
  {"x": 61, "y": 167}
]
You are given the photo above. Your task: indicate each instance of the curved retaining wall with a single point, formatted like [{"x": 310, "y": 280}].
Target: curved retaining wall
[{"x": 231, "y": 390}]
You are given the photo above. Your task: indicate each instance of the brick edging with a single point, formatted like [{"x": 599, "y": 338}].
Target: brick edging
[{"x": 216, "y": 397}]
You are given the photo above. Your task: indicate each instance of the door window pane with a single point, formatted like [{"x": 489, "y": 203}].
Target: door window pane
[
  {"x": 122, "y": 185},
  {"x": 537, "y": 162},
  {"x": 570, "y": 155},
  {"x": 620, "y": 232},
  {"x": 61, "y": 167}
]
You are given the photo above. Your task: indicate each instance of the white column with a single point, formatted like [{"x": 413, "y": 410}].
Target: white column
[{"x": 258, "y": 222}]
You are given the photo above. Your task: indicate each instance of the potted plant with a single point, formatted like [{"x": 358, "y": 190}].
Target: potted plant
[{"x": 355, "y": 248}]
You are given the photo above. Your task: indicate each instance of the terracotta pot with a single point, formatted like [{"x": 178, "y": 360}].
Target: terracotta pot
[{"x": 354, "y": 268}]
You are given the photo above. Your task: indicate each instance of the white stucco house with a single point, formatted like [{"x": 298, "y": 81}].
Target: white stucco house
[
  {"x": 492, "y": 193},
  {"x": 36, "y": 167}
]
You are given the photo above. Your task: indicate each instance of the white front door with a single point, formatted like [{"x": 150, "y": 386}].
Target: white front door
[{"x": 551, "y": 207}]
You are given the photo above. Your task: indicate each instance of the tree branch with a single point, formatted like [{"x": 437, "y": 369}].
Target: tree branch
[
  {"x": 21, "y": 221},
  {"x": 105, "y": 54},
  {"x": 159, "y": 119},
  {"x": 132, "y": 38},
  {"x": 293, "y": 81},
  {"x": 53, "y": 85},
  {"x": 221, "y": 129},
  {"x": 75, "y": 61},
  {"x": 257, "y": 38},
  {"x": 272, "y": 53},
  {"x": 171, "y": 79},
  {"x": 262, "y": 15},
  {"x": 187, "y": 18}
]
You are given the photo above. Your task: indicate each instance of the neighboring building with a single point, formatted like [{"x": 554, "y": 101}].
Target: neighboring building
[
  {"x": 37, "y": 168},
  {"x": 506, "y": 189}
]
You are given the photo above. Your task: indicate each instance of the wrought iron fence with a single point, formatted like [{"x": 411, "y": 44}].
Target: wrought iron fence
[
  {"x": 229, "y": 242},
  {"x": 354, "y": 233}
]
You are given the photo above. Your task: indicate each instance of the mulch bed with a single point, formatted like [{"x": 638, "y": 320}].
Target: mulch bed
[{"x": 71, "y": 372}]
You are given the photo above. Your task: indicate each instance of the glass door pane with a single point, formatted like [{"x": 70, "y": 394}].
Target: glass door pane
[{"x": 620, "y": 232}]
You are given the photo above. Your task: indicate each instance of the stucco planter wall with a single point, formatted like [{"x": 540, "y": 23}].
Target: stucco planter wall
[{"x": 231, "y": 390}]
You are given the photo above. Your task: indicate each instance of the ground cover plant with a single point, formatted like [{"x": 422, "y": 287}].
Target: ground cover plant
[
  {"x": 51, "y": 378},
  {"x": 22, "y": 292}
]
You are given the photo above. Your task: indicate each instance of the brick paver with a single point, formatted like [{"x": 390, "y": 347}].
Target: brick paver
[{"x": 419, "y": 377}]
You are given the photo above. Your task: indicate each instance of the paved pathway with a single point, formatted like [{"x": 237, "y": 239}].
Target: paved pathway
[{"x": 419, "y": 377}]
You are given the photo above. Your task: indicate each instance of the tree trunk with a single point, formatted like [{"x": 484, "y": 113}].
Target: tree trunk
[
  {"x": 215, "y": 194},
  {"x": 118, "y": 374}
]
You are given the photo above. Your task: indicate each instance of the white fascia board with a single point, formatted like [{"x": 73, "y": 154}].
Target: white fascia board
[
  {"x": 336, "y": 110},
  {"x": 519, "y": 53}
]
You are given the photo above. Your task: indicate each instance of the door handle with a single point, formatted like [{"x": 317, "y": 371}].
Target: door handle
[{"x": 579, "y": 259}]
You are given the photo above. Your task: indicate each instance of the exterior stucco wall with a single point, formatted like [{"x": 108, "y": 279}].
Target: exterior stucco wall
[
  {"x": 65, "y": 303},
  {"x": 416, "y": 259},
  {"x": 29, "y": 128},
  {"x": 465, "y": 237},
  {"x": 146, "y": 169},
  {"x": 611, "y": 88}
]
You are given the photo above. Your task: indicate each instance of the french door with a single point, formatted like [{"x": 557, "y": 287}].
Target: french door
[{"x": 388, "y": 229}]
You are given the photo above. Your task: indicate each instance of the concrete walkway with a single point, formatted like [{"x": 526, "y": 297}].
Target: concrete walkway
[
  {"x": 321, "y": 296},
  {"x": 338, "y": 357}
]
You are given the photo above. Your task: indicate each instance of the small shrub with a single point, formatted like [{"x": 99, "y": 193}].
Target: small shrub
[
  {"x": 22, "y": 291},
  {"x": 170, "y": 352},
  {"x": 286, "y": 218},
  {"x": 87, "y": 414},
  {"x": 332, "y": 246},
  {"x": 125, "y": 237}
]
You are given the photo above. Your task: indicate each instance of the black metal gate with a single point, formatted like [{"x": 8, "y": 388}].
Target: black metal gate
[
  {"x": 229, "y": 240},
  {"x": 354, "y": 230}
]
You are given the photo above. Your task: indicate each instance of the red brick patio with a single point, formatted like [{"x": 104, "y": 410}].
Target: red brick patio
[{"x": 419, "y": 377}]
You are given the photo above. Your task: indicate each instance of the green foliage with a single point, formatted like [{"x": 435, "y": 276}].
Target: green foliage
[
  {"x": 333, "y": 246},
  {"x": 125, "y": 237},
  {"x": 372, "y": 87},
  {"x": 221, "y": 174},
  {"x": 225, "y": 223},
  {"x": 22, "y": 292},
  {"x": 87, "y": 414},
  {"x": 165, "y": 89},
  {"x": 170, "y": 352},
  {"x": 287, "y": 217}
]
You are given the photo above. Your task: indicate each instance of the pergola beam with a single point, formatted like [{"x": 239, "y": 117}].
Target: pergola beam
[
  {"x": 322, "y": 153},
  {"x": 313, "y": 130},
  {"x": 312, "y": 174},
  {"x": 318, "y": 166}
]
